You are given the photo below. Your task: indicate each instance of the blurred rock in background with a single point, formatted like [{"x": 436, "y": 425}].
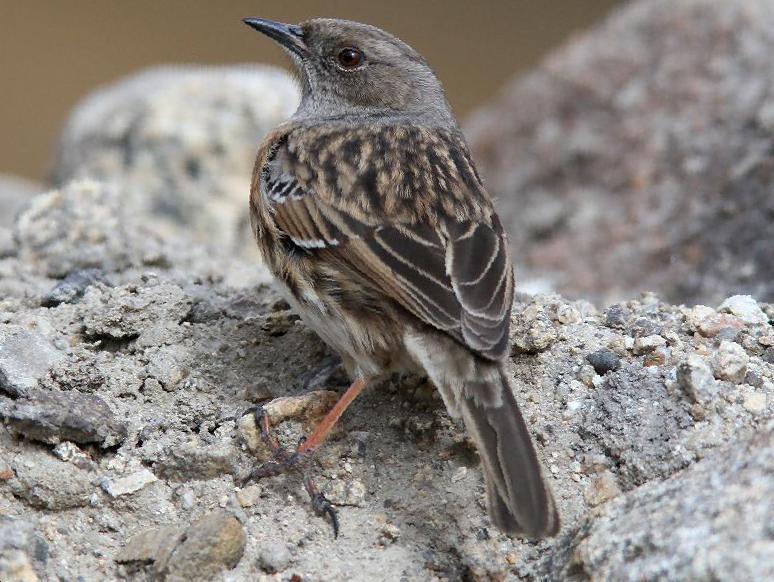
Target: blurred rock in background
[
  {"x": 641, "y": 155},
  {"x": 15, "y": 192},
  {"x": 181, "y": 143}
]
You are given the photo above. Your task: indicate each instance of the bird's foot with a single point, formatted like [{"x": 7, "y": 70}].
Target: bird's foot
[{"x": 286, "y": 461}]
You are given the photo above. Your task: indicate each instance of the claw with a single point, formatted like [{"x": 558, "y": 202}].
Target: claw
[
  {"x": 245, "y": 412},
  {"x": 323, "y": 507}
]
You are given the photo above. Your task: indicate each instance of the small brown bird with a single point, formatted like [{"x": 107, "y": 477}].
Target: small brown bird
[{"x": 369, "y": 211}]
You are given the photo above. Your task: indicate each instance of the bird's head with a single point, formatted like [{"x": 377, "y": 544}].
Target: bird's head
[{"x": 352, "y": 69}]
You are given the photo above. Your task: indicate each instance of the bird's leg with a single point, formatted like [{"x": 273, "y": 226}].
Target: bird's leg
[
  {"x": 326, "y": 424},
  {"x": 285, "y": 461}
]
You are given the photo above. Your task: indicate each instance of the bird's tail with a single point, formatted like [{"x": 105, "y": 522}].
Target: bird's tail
[{"x": 519, "y": 499}]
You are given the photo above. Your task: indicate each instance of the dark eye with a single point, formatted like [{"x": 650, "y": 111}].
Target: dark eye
[{"x": 350, "y": 58}]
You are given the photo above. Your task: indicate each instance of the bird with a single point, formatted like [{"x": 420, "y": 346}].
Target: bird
[{"x": 368, "y": 209}]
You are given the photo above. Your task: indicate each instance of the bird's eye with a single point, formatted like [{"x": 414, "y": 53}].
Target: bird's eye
[{"x": 350, "y": 58}]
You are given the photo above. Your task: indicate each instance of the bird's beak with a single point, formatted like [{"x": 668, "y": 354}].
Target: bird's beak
[{"x": 289, "y": 36}]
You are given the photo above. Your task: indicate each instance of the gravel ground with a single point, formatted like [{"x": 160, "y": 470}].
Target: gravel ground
[{"x": 122, "y": 386}]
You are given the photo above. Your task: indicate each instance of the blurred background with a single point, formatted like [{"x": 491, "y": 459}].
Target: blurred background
[
  {"x": 54, "y": 53},
  {"x": 638, "y": 156}
]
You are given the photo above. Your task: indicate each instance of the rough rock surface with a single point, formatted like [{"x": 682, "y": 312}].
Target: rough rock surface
[
  {"x": 697, "y": 515},
  {"x": 179, "y": 141},
  {"x": 639, "y": 156},
  {"x": 640, "y": 409}
]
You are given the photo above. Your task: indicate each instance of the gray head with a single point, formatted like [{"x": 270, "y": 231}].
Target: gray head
[{"x": 348, "y": 69}]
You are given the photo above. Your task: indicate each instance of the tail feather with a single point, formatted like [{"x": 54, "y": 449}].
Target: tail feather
[{"x": 519, "y": 500}]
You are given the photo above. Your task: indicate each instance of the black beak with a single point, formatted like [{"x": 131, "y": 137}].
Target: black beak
[{"x": 288, "y": 35}]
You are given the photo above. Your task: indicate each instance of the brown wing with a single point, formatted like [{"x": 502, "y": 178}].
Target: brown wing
[
  {"x": 461, "y": 283},
  {"x": 453, "y": 273}
]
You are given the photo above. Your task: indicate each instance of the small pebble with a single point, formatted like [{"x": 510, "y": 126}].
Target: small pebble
[
  {"x": 755, "y": 403},
  {"x": 647, "y": 344},
  {"x": 602, "y": 488},
  {"x": 604, "y": 361},
  {"x": 567, "y": 314},
  {"x": 249, "y": 496},
  {"x": 390, "y": 532},
  {"x": 696, "y": 380},
  {"x": 273, "y": 556},
  {"x": 346, "y": 492},
  {"x": 129, "y": 484},
  {"x": 745, "y": 308},
  {"x": 730, "y": 362}
]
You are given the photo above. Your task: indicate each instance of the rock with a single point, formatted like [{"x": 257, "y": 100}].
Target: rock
[
  {"x": 309, "y": 407},
  {"x": 81, "y": 372},
  {"x": 85, "y": 225},
  {"x": 126, "y": 312},
  {"x": 730, "y": 362},
  {"x": 73, "y": 286},
  {"x": 15, "y": 566},
  {"x": 604, "y": 361},
  {"x": 197, "y": 553},
  {"x": 19, "y": 546},
  {"x": 533, "y": 331},
  {"x": 603, "y": 487},
  {"x": 694, "y": 316},
  {"x": 249, "y": 496},
  {"x": 567, "y": 314},
  {"x": 641, "y": 436},
  {"x": 18, "y": 534},
  {"x": 745, "y": 308},
  {"x": 192, "y": 460},
  {"x": 165, "y": 366},
  {"x": 129, "y": 484},
  {"x": 25, "y": 357},
  {"x": 345, "y": 492},
  {"x": 390, "y": 532},
  {"x": 647, "y": 344},
  {"x": 154, "y": 545},
  {"x": 616, "y": 316},
  {"x": 273, "y": 556},
  {"x": 52, "y": 417},
  {"x": 45, "y": 482},
  {"x": 695, "y": 379},
  {"x": 70, "y": 452},
  {"x": 755, "y": 403},
  {"x": 210, "y": 545},
  {"x": 684, "y": 528},
  {"x": 720, "y": 324},
  {"x": 601, "y": 162},
  {"x": 181, "y": 141}
]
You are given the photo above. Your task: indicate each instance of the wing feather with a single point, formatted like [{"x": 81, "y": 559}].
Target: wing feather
[{"x": 453, "y": 273}]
